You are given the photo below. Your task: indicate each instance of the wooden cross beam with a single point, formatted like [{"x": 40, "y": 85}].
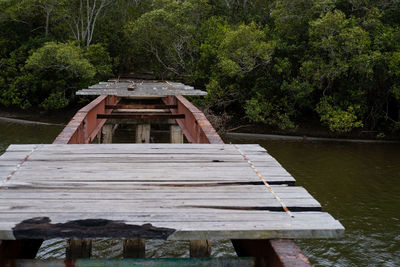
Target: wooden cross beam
[
  {"x": 140, "y": 106},
  {"x": 140, "y": 116}
]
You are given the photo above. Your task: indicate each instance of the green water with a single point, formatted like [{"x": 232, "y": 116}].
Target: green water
[
  {"x": 359, "y": 184},
  {"x": 18, "y": 133}
]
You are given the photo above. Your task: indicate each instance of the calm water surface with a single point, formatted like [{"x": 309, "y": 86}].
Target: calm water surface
[{"x": 359, "y": 184}]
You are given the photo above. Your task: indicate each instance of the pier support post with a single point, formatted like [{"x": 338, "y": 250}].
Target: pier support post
[
  {"x": 134, "y": 248},
  {"x": 19, "y": 249},
  {"x": 200, "y": 248},
  {"x": 107, "y": 133},
  {"x": 143, "y": 133},
  {"x": 79, "y": 248},
  {"x": 176, "y": 135},
  {"x": 271, "y": 253}
]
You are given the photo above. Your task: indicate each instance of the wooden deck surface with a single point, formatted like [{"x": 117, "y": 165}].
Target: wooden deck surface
[
  {"x": 140, "y": 88},
  {"x": 167, "y": 191}
]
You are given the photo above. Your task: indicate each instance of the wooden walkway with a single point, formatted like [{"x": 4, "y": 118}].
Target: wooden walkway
[
  {"x": 163, "y": 191},
  {"x": 200, "y": 191},
  {"x": 140, "y": 88}
]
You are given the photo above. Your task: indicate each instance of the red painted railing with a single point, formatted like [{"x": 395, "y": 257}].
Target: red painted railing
[
  {"x": 196, "y": 128},
  {"x": 84, "y": 126}
]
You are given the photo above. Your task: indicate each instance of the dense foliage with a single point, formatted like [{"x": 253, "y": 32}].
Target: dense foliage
[{"x": 269, "y": 61}]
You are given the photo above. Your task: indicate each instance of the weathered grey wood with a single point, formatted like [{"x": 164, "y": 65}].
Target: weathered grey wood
[
  {"x": 77, "y": 147},
  {"x": 134, "y": 248},
  {"x": 303, "y": 225},
  {"x": 79, "y": 248},
  {"x": 143, "y": 133},
  {"x": 97, "y": 185},
  {"x": 140, "y": 89},
  {"x": 200, "y": 248},
  {"x": 136, "y": 175},
  {"x": 199, "y": 191},
  {"x": 137, "y": 157},
  {"x": 176, "y": 134},
  {"x": 125, "y": 205},
  {"x": 149, "y": 192},
  {"x": 107, "y": 133}
]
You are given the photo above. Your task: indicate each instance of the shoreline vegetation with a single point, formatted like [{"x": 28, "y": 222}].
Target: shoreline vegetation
[
  {"x": 329, "y": 67},
  {"x": 249, "y": 131}
]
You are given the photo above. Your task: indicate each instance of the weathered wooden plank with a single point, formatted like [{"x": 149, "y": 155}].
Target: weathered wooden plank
[
  {"x": 270, "y": 167},
  {"x": 117, "y": 185},
  {"x": 132, "y": 157},
  {"x": 184, "y": 214},
  {"x": 199, "y": 191},
  {"x": 125, "y": 205},
  {"x": 137, "y": 148},
  {"x": 302, "y": 225},
  {"x": 125, "y": 93},
  {"x": 255, "y": 192},
  {"x": 59, "y": 165},
  {"x": 125, "y": 175},
  {"x": 88, "y": 147},
  {"x": 135, "y": 187}
]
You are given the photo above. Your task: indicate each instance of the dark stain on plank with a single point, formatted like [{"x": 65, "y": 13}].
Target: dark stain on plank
[
  {"x": 221, "y": 184},
  {"x": 294, "y": 208},
  {"x": 161, "y": 183},
  {"x": 42, "y": 228}
]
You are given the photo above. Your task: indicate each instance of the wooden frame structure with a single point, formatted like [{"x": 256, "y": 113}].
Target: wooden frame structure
[{"x": 99, "y": 119}]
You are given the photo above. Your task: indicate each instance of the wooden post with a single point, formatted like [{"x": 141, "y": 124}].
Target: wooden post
[
  {"x": 19, "y": 249},
  {"x": 98, "y": 137},
  {"x": 79, "y": 248},
  {"x": 271, "y": 253},
  {"x": 107, "y": 133},
  {"x": 200, "y": 248},
  {"x": 134, "y": 248},
  {"x": 176, "y": 135},
  {"x": 143, "y": 133}
]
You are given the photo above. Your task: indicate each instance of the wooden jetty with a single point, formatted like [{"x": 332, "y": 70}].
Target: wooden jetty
[{"x": 195, "y": 188}]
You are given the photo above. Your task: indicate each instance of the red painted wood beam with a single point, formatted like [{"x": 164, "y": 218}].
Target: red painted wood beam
[
  {"x": 141, "y": 106},
  {"x": 141, "y": 116},
  {"x": 196, "y": 128},
  {"x": 85, "y": 125}
]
